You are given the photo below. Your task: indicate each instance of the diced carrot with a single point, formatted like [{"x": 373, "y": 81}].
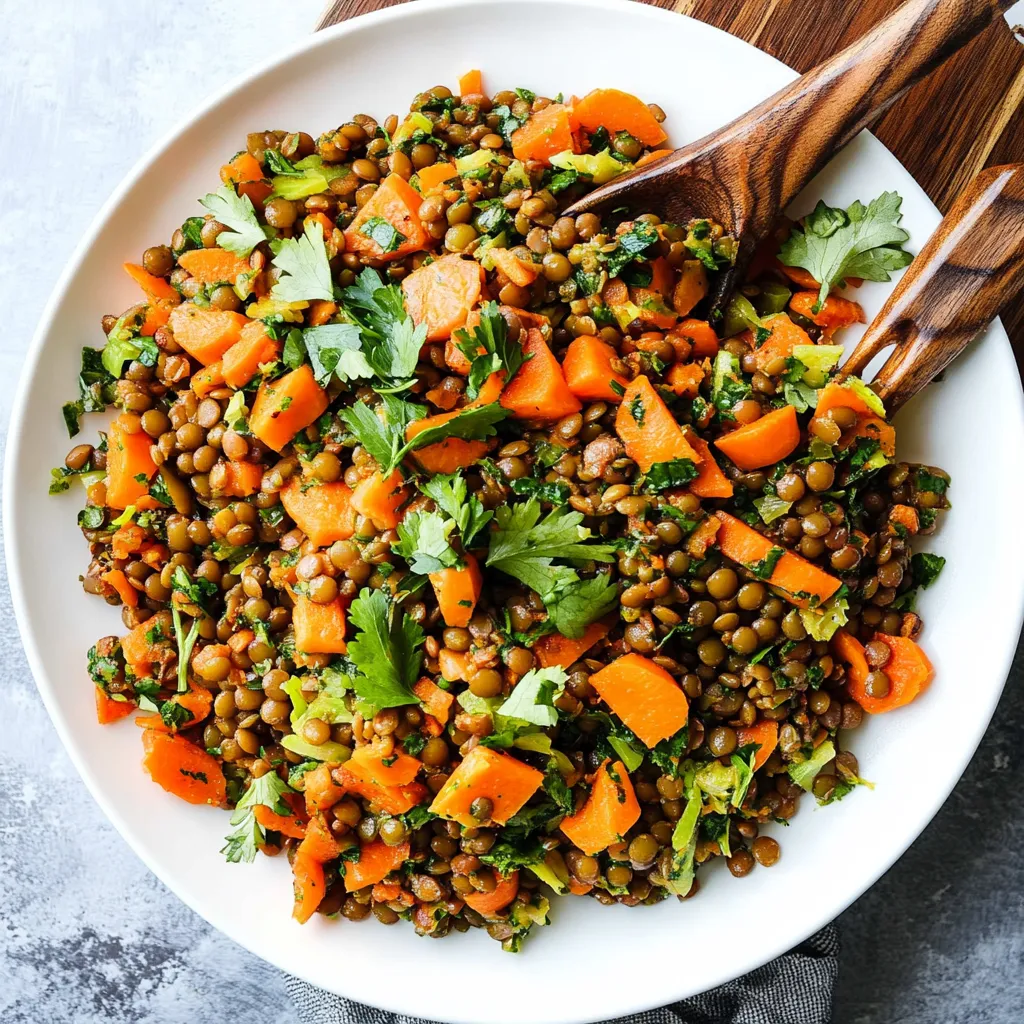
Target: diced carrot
[
  {"x": 380, "y": 498},
  {"x": 834, "y": 314},
  {"x": 208, "y": 379},
  {"x": 318, "y": 843},
  {"x": 214, "y": 266},
  {"x": 285, "y": 406},
  {"x": 471, "y": 83},
  {"x": 197, "y": 701},
  {"x": 497, "y": 899},
  {"x": 287, "y": 824},
  {"x": 254, "y": 348},
  {"x": 799, "y": 579},
  {"x": 691, "y": 287},
  {"x": 619, "y": 112},
  {"x": 257, "y": 191},
  {"x": 238, "y": 641},
  {"x": 370, "y": 764},
  {"x": 655, "y": 154},
  {"x": 701, "y": 334},
  {"x": 710, "y": 481},
  {"x": 205, "y": 334},
  {"x": 454, "y": 665},
  {"x": 663, "y": 277},
  {"x": 323, "y": 512},
  {"x": 376, "y": 861},
  {"x": 319, "y": 628},
  {"x": 555, "y": 649},
  {"x": 390, "y": 799},
  {"x": 546, "y": 133},
  {"x": 157, "y": 289},
  {"x": 765, "y": 734},
  {"x": 703, "y": 537},
  {"x": 451, "y": 454},
  {"x": 157, "y": 315},
  {"x": 908, "y": 668},
  {"x": 183, "y": 769},
  {"x": 835, "y": 396},
  {"x": 137, "y": 649},
  {"x": 504, "y": 780},
  {"x": 235, "y": 479},
  {"x": 798, "y": 276},
  {"x": 397, "y": 202},
  {"x": 611, "y": 810},
  {"x": 435, "y": 701},
  {"x": 109, "y": 710},
  {"x": 386, "y": 892},
  {"x": 520, "y": 272},
  {"x": 648, "y": 429},
  {"x": 652, "y": 309},
  {"x": 644, "y": 696},
  {"x": 457, "y": 590},
  {"x": 685, "y": 379},
  {"x": 538, "y": 390},
  {"x": 126, "y": 540},
  {"x": 441, "y": 294},
  {"x": 320, "y": 790},
  {"x": 117, "y": 579},
  {"x": 873, "y": 428},
  {"x": 321, "y": 312},
  {"x": 130, "y": 466},
  {"x": 906, "y": 516},
  {"x": 309, "y": 887},
  {"x": 765, "y": 441},
  {"x": 433, "y": 177},
  {"x": 588, "y": 370},
  {"x": 779, "y": 344},
  {"x": 244, "y": 167}
]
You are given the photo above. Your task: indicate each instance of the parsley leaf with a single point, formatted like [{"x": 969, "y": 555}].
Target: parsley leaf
[
  {"x": 925, "y": 481},
  {"x": 331, "y": 349},
  {"x": 490, "y": 335},
  {"x": 861, "y": 241},
  {"x": 306, "y": 274},
  {"x": 383, "y": 233},
  {"x": 532, "y": 699},
  {"x": 575, "y": 608},
  {"x": 385, "y": 651},
  {"x": 423, "y": 541},
  {"x": 381, "y": 431},
  {"x": 391, "y": 341},
  {"x": 663, "y": 475},
  {"x": 631, "y": 245},
  {"x": 449, "y": 494},
  {"x": 238, "y": 214},
  {"x": 925, "y": 568},
  {"x": 266, "y": 791}
]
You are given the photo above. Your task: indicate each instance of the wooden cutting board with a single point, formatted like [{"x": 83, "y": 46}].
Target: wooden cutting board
[{"x": 968, "y": 115}]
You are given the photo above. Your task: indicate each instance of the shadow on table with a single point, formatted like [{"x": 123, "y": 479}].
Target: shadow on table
[{"x": 941, "y": 936}]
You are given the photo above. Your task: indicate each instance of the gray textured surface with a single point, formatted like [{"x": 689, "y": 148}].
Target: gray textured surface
[{"x": 86, "y": 933}]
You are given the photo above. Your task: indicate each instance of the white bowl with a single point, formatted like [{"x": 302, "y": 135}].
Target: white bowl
[{"x": 593, "y": 963}]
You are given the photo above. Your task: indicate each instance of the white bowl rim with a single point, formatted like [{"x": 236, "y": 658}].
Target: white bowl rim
[{"x": 394, "y": 1000}]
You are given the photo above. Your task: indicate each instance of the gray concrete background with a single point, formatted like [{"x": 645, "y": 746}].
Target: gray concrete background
[{"x": 86, "y": 933}]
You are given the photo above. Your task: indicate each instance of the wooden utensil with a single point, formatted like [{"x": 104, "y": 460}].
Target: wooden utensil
[
  {"x": 748, "y": 172},
  {"x": 956, "y": 285}
]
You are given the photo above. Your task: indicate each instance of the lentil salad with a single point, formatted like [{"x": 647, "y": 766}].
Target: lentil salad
[{"x": 459, "y": 554}]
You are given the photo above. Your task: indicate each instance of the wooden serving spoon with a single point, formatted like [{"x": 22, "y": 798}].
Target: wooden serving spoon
[
  {"x": 745, "y": 174},
  {"x": 956, "y": 285}
]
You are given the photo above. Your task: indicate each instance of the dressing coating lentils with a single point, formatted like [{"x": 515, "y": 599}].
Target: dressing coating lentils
[{"x": 462, "y": 549}]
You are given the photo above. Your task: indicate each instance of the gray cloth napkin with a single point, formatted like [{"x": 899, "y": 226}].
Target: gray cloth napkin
[{"x": 795, "y": 989}]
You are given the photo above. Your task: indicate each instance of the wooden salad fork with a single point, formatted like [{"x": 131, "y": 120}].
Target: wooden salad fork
[
  {"x": 745, "y": 174},
  {"x": 956, "y": 285}
]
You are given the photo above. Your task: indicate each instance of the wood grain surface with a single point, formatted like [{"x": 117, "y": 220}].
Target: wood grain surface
[
  {"x": 967, "y": 115},
  {"x": 956, "y": 285}
]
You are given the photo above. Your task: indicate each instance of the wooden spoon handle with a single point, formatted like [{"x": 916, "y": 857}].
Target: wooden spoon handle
[
  {"x": 804, "y": 124},
  {"x": 971, "y": 265},
  {"x": 338, "y": 11}
]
